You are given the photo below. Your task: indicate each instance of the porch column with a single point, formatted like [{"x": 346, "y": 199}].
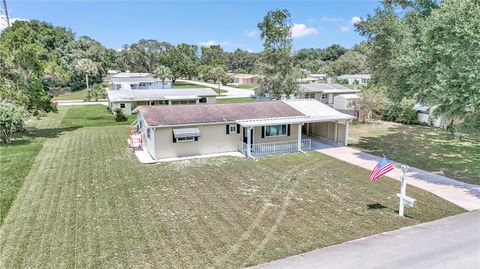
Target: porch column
[
  {"x": 299, "y": 138},
  {"x": 249, "y": 141},
  {"x": 196, "y": 101},
  {"x": 336, "y": 132},
  {"x": 169, "y": 102},
  {"x": 346, "y": 133}
]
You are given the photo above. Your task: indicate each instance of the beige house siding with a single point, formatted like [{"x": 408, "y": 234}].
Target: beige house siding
[
  {"x": 127, "y": 110},
  {"x": 257, "y": 135},
  {"x": 213, "y": 140},
  {"x": 211, "y": 100},
  {"x": 328, "y": 130}
]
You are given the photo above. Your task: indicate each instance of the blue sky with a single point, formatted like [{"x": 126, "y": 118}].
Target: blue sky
[{"x": 231, "y": 24}]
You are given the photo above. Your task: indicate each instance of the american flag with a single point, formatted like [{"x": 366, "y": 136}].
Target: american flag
[{"x": 383, "y": 166}]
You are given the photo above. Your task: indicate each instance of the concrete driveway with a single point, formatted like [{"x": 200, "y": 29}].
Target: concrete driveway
[
  {"x": 231, "y": 91},
  {"x": 460, "y": 193},
  {"x": 452, "y": 242}
]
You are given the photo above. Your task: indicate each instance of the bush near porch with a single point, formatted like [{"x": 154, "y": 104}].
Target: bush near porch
[{"x": 87, "y": 202}]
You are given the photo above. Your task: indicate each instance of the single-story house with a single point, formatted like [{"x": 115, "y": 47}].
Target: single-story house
[
  {"x": 254, "y": 129},
  {"x": 138, "y": 81},
  {"x": 322, "y": 77},
  {"x": 325, "y": 92},
  {"x": 111, "y": 73},
  {"x": 128, "y": 100},
  {"x": 361, "y": 79},
  {"x": 245, "y": 79}
]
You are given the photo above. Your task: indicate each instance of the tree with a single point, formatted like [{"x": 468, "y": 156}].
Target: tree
[
  {"x": 372, "y": 99},
  {"x": 276, "y": 58},
  {"x": 213, "y": 55},
  {"x": 217, "y": 74},
  {"x": 97, "y": 92},
  {"x": 11, "y": 119},
  {"x": 87, "y": 67},
  {"x": 301, "y": 73},
  {"x": 241, "y": 60},
  {"x": 429, "y": 51},
  {"x": 163, "y": 73},
  {"x": 351, "y": 62}
]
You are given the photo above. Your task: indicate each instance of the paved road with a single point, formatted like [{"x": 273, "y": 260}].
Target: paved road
[
  {"x": 462, "y": 194},
  {"x": 231, "y": 91},
  {"x": 452, "y": 242}
]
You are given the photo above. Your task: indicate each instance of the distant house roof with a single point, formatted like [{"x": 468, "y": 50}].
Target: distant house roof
[
  {"x": 214, "y": 113},
  {"x": 133, "y": 78},
  {"x": 326, "y": 88},
  {"x": 318, "y": 75},
  {"x": 349, "y": 96},
  {"x": 357, "y": 76},
  {"x": 245, "y": 114},
  {"x": 112, "y": 72},
  {"x": 159, "y": 94}
]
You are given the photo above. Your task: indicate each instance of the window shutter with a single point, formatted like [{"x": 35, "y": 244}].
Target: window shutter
[
  {"x": 173, "y": 136},
  {"x": 263, "y": 131},
  {"x": 288, "y": 129},
  {"x": 196, "y": 138},
  {"x": 228, "y": 129},
  {"x": 238, "y": 128}
]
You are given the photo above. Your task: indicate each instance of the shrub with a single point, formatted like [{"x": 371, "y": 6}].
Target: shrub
[
  {"x": 402, "y": 111},
  {"x": 119, "y": 116}
]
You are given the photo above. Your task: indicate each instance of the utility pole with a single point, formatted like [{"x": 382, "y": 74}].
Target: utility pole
[{"x": 6, "y": 12}]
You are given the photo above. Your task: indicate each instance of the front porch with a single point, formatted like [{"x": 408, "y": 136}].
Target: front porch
[{"x": 274, "y": 136}]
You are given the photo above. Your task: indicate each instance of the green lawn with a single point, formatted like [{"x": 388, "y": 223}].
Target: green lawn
[
  {"x": 91, "y": 115},
  {"x": 88, "y": 203},
  {"x": 243, "y": 86},
  {"x": 424, "y": 147},
  {"x": 17, "y": 158},
  {"x": 235, "y": 100},
  {"x": 74, "y": 95}
]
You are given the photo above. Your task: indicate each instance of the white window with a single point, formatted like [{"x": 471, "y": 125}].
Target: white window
[
  {"x": 309, "y": 95},
  {"x": 324, "y": 96},
  {"x": 122, "y": 105},
  {"x": 185, "y": 139},
  {"x": 233, "y": 128},
  {"x": 276, "y": 130}
]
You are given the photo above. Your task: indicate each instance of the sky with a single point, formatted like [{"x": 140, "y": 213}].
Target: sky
[{"x": 231, "y": 24}]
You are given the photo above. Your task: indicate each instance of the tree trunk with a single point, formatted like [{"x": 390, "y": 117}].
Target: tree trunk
[
  {"x": 86, "y": 78},
  {"x": 163, "y": 84}
]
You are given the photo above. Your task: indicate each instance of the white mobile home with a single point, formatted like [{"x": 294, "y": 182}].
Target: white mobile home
[
  {"x": 257, "y": 128},
  {"x": 138, "y": 81},
  {"x": 128, "y": 100},
  {"x": 325, "y": 92},
  {"x": 361, "y": 79}
]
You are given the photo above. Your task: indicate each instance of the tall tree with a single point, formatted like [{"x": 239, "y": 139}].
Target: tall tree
[
  {"x": 213, "y": 55},
  {"x": 163, "y": 73},
  {"x": 276, "y": 58},
  {"x": 87, "y": 67},
  {"x": 428, "y": 50},
  {"x": 217, "y": 74}
]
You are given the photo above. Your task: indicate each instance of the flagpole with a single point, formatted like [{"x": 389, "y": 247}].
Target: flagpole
[{"x": 403, "y": 190}]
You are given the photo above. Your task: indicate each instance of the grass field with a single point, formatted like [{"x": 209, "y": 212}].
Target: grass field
[
  {"x": 91, "y": 115},
  {"x": 88, "y": 203},
  {"x": 74, "y": 95},
  {"x": 428, "y": 148}
]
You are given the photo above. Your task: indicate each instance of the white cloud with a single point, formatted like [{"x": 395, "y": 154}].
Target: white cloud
[
  {"x": 251, "y": 33},
  {"x": 345, "y": 29},
  {"x": 3, "y": 21},
  {"x": 355, "y": 20},
  {"x": 300, "y": 30},
  {"x": 212, "y": 42},
  {"x": 331, "y": 19}
]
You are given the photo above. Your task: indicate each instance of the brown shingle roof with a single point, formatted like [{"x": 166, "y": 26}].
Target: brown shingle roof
[{"x": 210, "y": 113}]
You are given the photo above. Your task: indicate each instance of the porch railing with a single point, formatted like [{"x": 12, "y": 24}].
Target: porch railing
[{"x": 261, "y": 149}]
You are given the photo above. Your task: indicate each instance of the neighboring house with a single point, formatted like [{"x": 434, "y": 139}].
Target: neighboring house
[
  {"x": 425, "y": 116},
  {"x": 257, "y": 128},
  {"x": 111, "y": 73},
  {"x": 245, "y": 79},
  {"x": 320, "y": 77},
  {"x": 128, "y": 100},
  {"x": 138, "y": 81},
  {"x": 325, "y": 92},
  {"x": 345, "y": 101},
  {"x": 361, "y": 79}
]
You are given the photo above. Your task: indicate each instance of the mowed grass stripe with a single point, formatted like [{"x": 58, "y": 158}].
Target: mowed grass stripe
[{"x": 112, "y": 212}]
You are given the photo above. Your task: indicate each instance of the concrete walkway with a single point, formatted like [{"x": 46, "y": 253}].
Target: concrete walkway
[
  {"x": 462, "y": 194},
  {"x": 452, "y": 242},
  {"x": 231, "y": 91}
]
